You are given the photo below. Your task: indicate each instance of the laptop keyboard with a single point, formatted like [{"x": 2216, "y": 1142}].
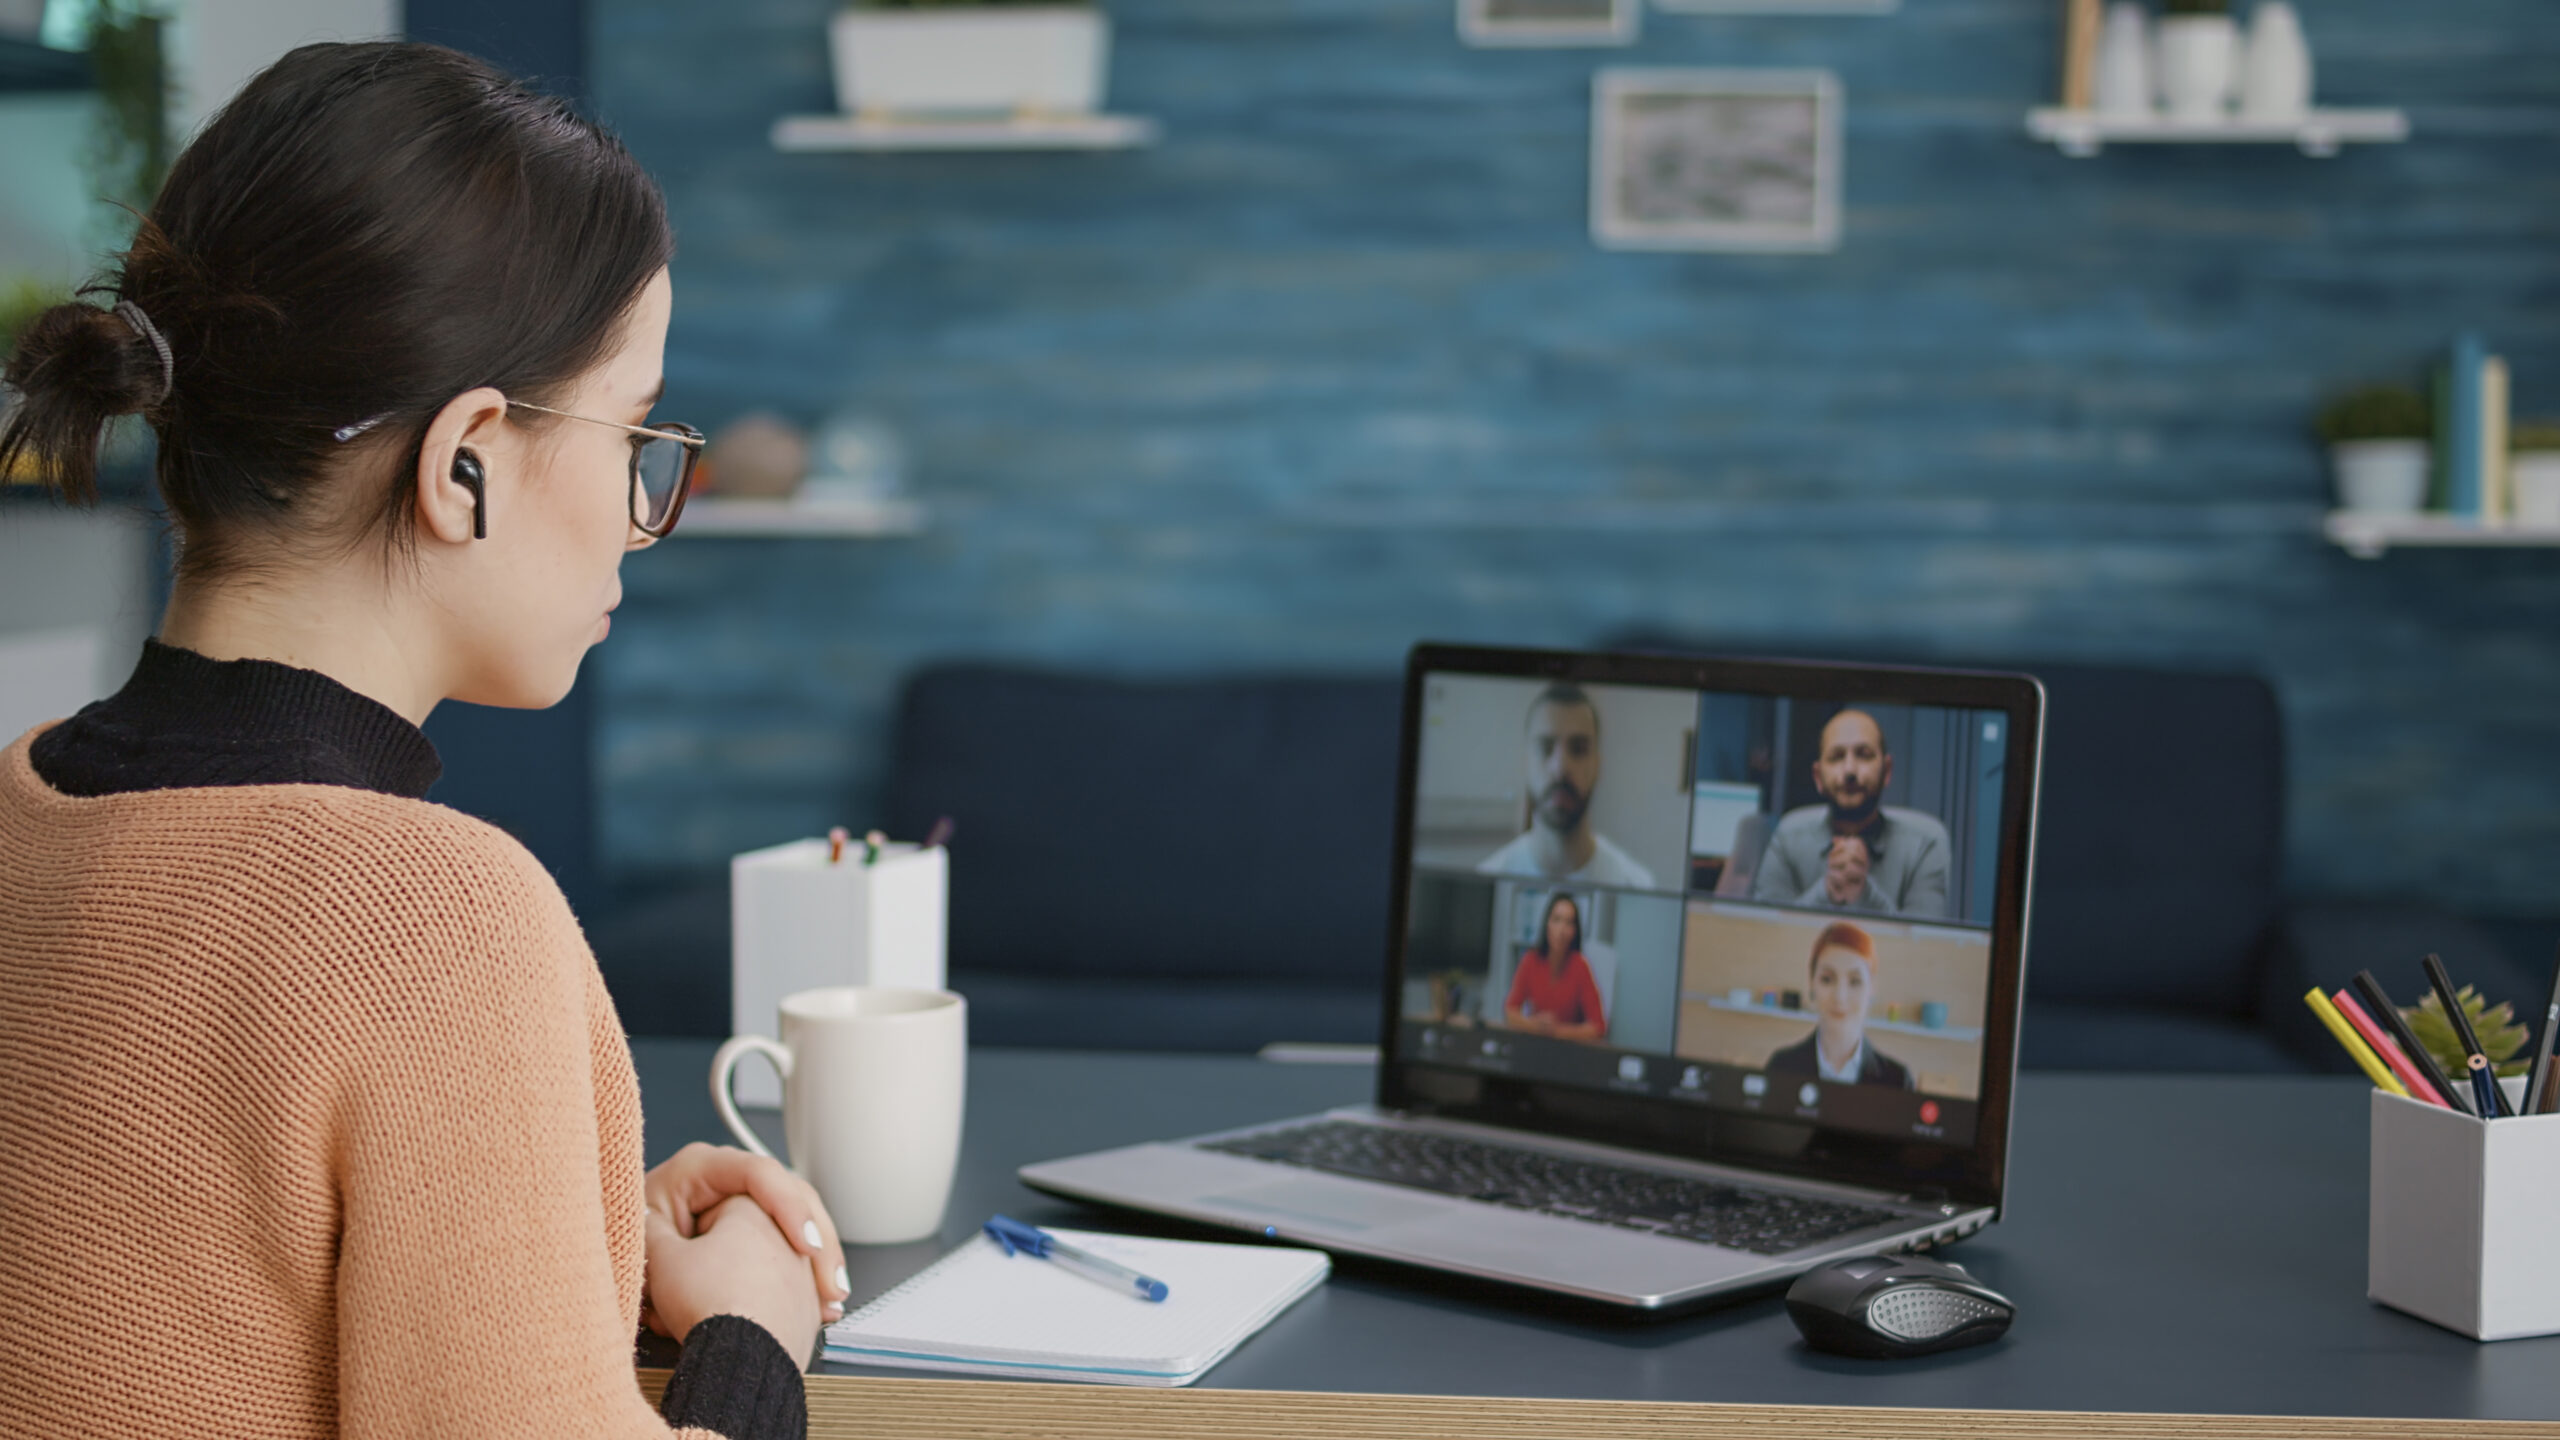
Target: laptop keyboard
[{"x": 1765, "y": 1222}]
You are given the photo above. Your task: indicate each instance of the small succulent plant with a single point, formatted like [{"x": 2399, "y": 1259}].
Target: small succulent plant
[
  {"x": 2376, "y": 412},
  {"x": 2502, "y": 1036}
]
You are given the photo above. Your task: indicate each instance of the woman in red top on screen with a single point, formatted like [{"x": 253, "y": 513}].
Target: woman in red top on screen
[
  {"x": 1552, "y": 992},
  {"x": 1843, "y": 972}
]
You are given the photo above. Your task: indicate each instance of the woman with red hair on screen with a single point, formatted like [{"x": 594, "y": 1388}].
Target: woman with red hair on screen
[
  {"x": 1552, "y": 992},
  {"x": 1844, "y": 977}
]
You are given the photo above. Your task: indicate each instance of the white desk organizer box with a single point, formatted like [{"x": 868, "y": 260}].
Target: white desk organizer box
[
  {"x": 797, "y": 922},
  {"x": 2461, "y": 1230}
]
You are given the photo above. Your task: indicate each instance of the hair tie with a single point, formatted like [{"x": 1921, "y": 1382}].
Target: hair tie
[{"x": 132, "y": 315}]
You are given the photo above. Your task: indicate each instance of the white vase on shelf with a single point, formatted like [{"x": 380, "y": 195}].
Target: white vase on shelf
[
  {"x": 2275, "y": 84},
  {"x": 2535, "y": 477},
  {"x": 2199, "y": 60},
  {"x": 2124, "y": 86},
  {"x": 2381, "y": 477}
]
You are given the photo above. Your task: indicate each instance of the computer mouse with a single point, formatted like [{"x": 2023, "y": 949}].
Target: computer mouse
[{"x": 1886, "y": 1307}]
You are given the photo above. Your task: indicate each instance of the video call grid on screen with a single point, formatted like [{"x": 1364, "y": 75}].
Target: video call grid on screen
[{"x": 1746, "y": 900}]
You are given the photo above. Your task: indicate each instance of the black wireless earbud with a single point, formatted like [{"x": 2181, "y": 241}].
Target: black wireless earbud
[{"x": 468, "y": 474}]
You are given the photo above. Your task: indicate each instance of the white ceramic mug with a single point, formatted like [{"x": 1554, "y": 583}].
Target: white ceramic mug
[{"x": 873, "y": 1082}]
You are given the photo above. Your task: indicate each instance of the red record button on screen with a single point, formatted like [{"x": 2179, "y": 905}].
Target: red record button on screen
[{"x": 1928, "y": 1112}]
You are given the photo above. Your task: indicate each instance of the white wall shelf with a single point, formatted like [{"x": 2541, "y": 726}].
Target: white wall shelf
[
  {"x": 2369, "y": 537},
  {"x": 2083, "y": 133},
  {"x": 801, "y": 134},
  {"x": 811, "y": 519}
]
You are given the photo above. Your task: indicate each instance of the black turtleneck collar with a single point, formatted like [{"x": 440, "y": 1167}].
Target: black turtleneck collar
[{"x": 185, "y": 721}]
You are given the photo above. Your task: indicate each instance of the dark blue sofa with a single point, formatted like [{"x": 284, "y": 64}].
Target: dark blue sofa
[{"x": 1201, "y": 864}]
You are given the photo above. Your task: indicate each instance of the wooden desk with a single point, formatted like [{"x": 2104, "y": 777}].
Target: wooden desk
[{"x": 2187, "y": 1255}]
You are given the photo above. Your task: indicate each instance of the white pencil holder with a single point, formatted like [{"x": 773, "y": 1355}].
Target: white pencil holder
[
  {"x": 2461, "y": 1228},
  {"x": 798, "y": 921}
]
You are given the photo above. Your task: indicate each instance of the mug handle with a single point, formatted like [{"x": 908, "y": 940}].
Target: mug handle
[{"x": 734, "y": 1050}]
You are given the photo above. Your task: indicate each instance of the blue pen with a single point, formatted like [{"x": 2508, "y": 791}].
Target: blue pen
[{"x": 1020, "y": 1239}]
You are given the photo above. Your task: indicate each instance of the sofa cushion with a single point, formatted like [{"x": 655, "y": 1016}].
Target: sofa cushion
[
  {"x": 2071, "y": 1035},
  {"x": 1234, "y": 829},
  {"x": 2160, "y": 847}
]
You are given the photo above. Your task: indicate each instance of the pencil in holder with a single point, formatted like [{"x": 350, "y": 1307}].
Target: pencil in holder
[{"x": 2461, "y": 1229}]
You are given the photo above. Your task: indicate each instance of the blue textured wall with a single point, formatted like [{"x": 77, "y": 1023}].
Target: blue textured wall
[{"x": 1336, "y": 367}]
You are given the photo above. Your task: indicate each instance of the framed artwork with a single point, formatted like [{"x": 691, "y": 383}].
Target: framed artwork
[
  {"x": 1744, "y": 160},
  {"x": 1548, "y": 22}
]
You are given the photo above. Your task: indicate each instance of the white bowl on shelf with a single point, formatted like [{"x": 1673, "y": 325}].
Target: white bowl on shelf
[{"x": 971, "y": 60}]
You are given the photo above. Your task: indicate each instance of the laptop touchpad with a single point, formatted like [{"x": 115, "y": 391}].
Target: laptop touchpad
[{"x": 1325, "y": 1202}]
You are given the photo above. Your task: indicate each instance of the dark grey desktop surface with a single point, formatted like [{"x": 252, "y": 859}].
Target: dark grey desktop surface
[{"x": 2174, "y": 1244}]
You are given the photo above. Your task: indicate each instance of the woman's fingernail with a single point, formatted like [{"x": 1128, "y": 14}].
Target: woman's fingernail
[
  {"x": 835, "y": 1312},
  {"x": 844, "y": 1282},
  {"x": 809, "y": 1232}
]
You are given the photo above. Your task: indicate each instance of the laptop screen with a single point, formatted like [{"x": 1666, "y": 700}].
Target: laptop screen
[{"x": 1760, "y": 894}]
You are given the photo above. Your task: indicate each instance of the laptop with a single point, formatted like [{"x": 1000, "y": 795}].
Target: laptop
[{"x": 1700, "y": 972}]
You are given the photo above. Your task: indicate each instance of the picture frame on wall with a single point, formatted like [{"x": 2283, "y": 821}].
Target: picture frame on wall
[
  {"x": 1733, "y": 160},
  {"x": 1549, "y": 22}
]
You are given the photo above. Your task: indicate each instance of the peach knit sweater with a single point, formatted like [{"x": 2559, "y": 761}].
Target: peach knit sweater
[{"x": 316, "y": 1120}]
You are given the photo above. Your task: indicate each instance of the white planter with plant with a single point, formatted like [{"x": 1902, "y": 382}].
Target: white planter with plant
[
  {"x": 2378, "y": 449},
  {"x": 2199, "y": 60},
  {"x": 2533, "y": 472},
  {"x": 942, "y": 58}
]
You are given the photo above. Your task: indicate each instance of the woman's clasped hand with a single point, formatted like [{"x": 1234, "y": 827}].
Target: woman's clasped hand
[{"x": 730, "y": 1233}]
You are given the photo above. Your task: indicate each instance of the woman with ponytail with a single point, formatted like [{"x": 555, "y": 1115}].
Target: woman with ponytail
[{"x": 316, "y": 1076}]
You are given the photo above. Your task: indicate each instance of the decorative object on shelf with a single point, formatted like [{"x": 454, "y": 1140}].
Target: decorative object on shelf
[
  {"x": 1742, "y": 160},
  {"x": 21, "y": 19},
  {"x": 2275, "y": 80},
  {"x": 1549, "y": 22},
  {"x": 2377, "y": 438},
  {"x": 2123, "y": 86},
  {"x": 2533, "y": 476},
  {"x": 758, "y": 456},
  {"x": 2471, "y": 406},
  {"x": 970, "y": 57},
  {"x": 858, "y": 460},
  {"x": 2199, "y": 60},
  {"x": 967, "y": 75},
  {"x": 2082, "y": 21}
]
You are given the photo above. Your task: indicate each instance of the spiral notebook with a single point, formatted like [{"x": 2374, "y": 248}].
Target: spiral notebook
[{"x": 982, "y": 1312}]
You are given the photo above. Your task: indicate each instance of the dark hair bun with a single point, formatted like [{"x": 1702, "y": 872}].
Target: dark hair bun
[
  {"x": 362, "y": 233},
  {"x": 75, "y": 366}
]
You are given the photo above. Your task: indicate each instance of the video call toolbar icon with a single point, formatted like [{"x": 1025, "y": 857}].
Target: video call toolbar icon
[
  {"x": 1755, "y": 1085},
  {"x": 1631, "y": 1069},
  {"x": 1809, "y": 1094}
]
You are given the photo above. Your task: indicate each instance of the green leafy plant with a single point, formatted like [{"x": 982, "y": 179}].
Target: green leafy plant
[
  {"x": 21, "y": 301},
  {"x": 2501, "y": 1036},
  {"x": 2535, "y": 435},
  {"x": 2376, "y": 412},
  {"x": 131, "y": 149}
]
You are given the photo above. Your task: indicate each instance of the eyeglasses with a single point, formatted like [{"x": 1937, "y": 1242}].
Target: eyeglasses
[{"x": 662, "y": 461}]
